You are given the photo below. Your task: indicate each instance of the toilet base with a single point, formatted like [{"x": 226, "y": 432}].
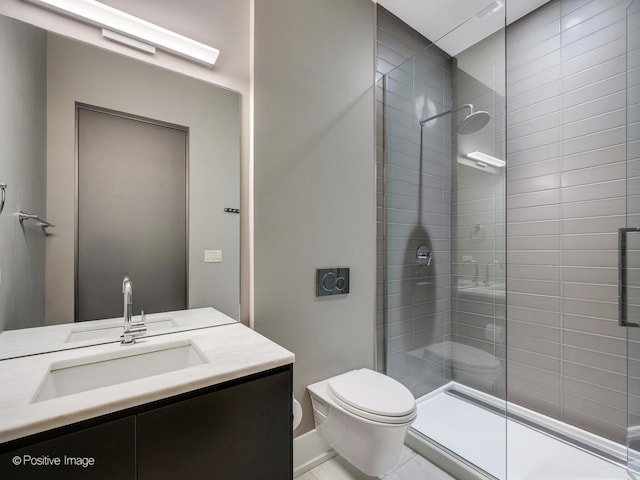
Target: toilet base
[{"x": 372, "y": 448}]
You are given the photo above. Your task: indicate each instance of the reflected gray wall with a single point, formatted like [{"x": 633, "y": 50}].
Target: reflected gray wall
[
  {"x": 417, "y": 206},
  {"x": 314, "y": 182},
  {"x": 22, "y": 166},
  {"x": 80, "y": 73}
]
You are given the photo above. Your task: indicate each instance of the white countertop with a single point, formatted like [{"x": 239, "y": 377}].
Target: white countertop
[{"x": 232, "y": 351}]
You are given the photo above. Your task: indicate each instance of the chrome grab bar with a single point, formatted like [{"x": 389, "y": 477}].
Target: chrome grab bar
[{"x": 22, "y": 216}]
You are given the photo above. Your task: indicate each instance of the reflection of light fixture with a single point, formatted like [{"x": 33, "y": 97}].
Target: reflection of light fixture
[
  {"x": 484, "y": 159},
  {"x": 489, "y": 9},
  {"x": 118, "y": 21}
]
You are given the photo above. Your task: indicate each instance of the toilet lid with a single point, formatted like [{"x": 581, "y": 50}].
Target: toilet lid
[{"x": 374, "y": 396}]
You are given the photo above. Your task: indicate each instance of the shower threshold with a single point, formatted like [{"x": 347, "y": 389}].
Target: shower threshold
[{"x": 523, "y": 446}]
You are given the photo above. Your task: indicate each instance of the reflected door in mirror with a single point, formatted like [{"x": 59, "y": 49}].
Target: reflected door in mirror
[{"x": 132, "y": 214}]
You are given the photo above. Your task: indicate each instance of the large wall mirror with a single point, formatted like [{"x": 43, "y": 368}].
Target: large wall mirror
[{"x": 137, "y": 168}]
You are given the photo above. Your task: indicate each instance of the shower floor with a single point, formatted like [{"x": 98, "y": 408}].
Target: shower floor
[{"x": 479, "y": 435}]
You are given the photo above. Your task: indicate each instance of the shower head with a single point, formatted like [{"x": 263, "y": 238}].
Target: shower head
[
  {"x": 473, "y": 122},
  {"x": 469, "y": 124}
]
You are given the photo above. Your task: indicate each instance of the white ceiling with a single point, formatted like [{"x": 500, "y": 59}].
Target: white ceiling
[
  {"x": 452, "y": 24},
  {"x": 432, "y": 18}
]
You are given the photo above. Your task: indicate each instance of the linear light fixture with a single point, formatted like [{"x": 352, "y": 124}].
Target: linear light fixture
[
  {"x": 483, "y": 158},
  {"x": 104, "y": 16},
  {"x": 128, "y": 41}
]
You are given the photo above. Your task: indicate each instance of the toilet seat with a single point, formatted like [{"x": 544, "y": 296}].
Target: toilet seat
[{"x": 373, "y": 396}]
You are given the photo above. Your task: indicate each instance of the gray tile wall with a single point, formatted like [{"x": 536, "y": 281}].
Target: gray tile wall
[
  {"x": 418, "y": 205},
  {"x": 566, "y": 196},
  {"x": 566, "y": 200}
]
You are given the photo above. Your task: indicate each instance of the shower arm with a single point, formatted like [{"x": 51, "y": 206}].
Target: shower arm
[{"x": 468, "y": 105}]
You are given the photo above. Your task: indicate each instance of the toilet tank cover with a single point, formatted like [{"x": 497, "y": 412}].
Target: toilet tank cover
[{"x": 373, "y": 392}]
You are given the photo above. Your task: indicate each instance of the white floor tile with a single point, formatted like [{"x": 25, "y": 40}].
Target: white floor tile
[
  {"x": 411, "y": 467},
  {"x": 407, "y": 454},
  {"x": 418, "y": 469},
  {"x": 338, "y": 468},
  {"x": 307, "y": 476}
]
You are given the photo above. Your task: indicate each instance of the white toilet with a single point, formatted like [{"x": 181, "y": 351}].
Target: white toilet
[{"x": 364, "y": 416}]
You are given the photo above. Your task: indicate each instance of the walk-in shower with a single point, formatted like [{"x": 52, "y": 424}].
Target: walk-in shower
[{"x": 507, "y": 164}]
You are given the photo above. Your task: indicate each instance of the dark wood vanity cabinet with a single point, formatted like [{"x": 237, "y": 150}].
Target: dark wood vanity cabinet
[
  {"x": 102, "y": 452},
  {"x": 243, "y": 432},
  {"x": 239, "y": 430}
]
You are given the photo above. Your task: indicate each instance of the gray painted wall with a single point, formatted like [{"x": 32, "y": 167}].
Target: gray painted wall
[
  {"x": 81, "y": 73},
  {"x": 566, "y": 200},
  {"x": 314, "y": 182},
  {"x": 417, "y": 211},
  {"x": 23, "y": 51}
]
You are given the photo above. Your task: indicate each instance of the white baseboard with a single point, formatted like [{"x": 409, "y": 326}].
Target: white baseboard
[{"x": 309, "y": 450}]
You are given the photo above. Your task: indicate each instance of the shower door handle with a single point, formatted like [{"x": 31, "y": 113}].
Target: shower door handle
[{"x": 623, "y": 299}]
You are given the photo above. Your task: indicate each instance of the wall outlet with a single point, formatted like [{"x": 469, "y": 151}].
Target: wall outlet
[
  {"x": 467, "y": 258},
  {"x": 212, "y": 256}
]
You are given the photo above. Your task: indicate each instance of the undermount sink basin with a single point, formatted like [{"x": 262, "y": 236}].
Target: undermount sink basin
[
  {"x": 90, "y": 373},
  {"x": 91, "y": 332}
]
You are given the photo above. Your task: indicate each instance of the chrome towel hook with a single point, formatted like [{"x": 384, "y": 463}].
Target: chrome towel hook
[
  {"x": 3, "y": 188},
  {"x": 22, "y": 216}
]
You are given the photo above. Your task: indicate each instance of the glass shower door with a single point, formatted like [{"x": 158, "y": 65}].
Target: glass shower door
[
  {"x": 629, "y": 241},
  {"x": 442, "y": 174}
]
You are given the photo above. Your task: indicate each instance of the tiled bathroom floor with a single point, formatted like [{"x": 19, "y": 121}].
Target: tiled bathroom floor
[{"x": 411, "y": 467}]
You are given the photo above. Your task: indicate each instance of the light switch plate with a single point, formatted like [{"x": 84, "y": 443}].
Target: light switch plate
[{"x": 212, "y": 256}]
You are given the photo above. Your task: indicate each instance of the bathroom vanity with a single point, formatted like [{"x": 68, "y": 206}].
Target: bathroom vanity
[{"x": 220, "y": 407}]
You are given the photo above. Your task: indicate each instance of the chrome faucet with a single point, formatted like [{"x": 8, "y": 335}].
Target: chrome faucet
[
  {"x": 475, "y": 264},
  {"x": 486, "y": 277},
  {"x": 131, "y": 329}
]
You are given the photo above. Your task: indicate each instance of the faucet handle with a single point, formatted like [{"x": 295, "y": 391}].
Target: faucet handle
[
  {"x": 137, "y": 329},
  {"x": 140, "y": 325}
]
